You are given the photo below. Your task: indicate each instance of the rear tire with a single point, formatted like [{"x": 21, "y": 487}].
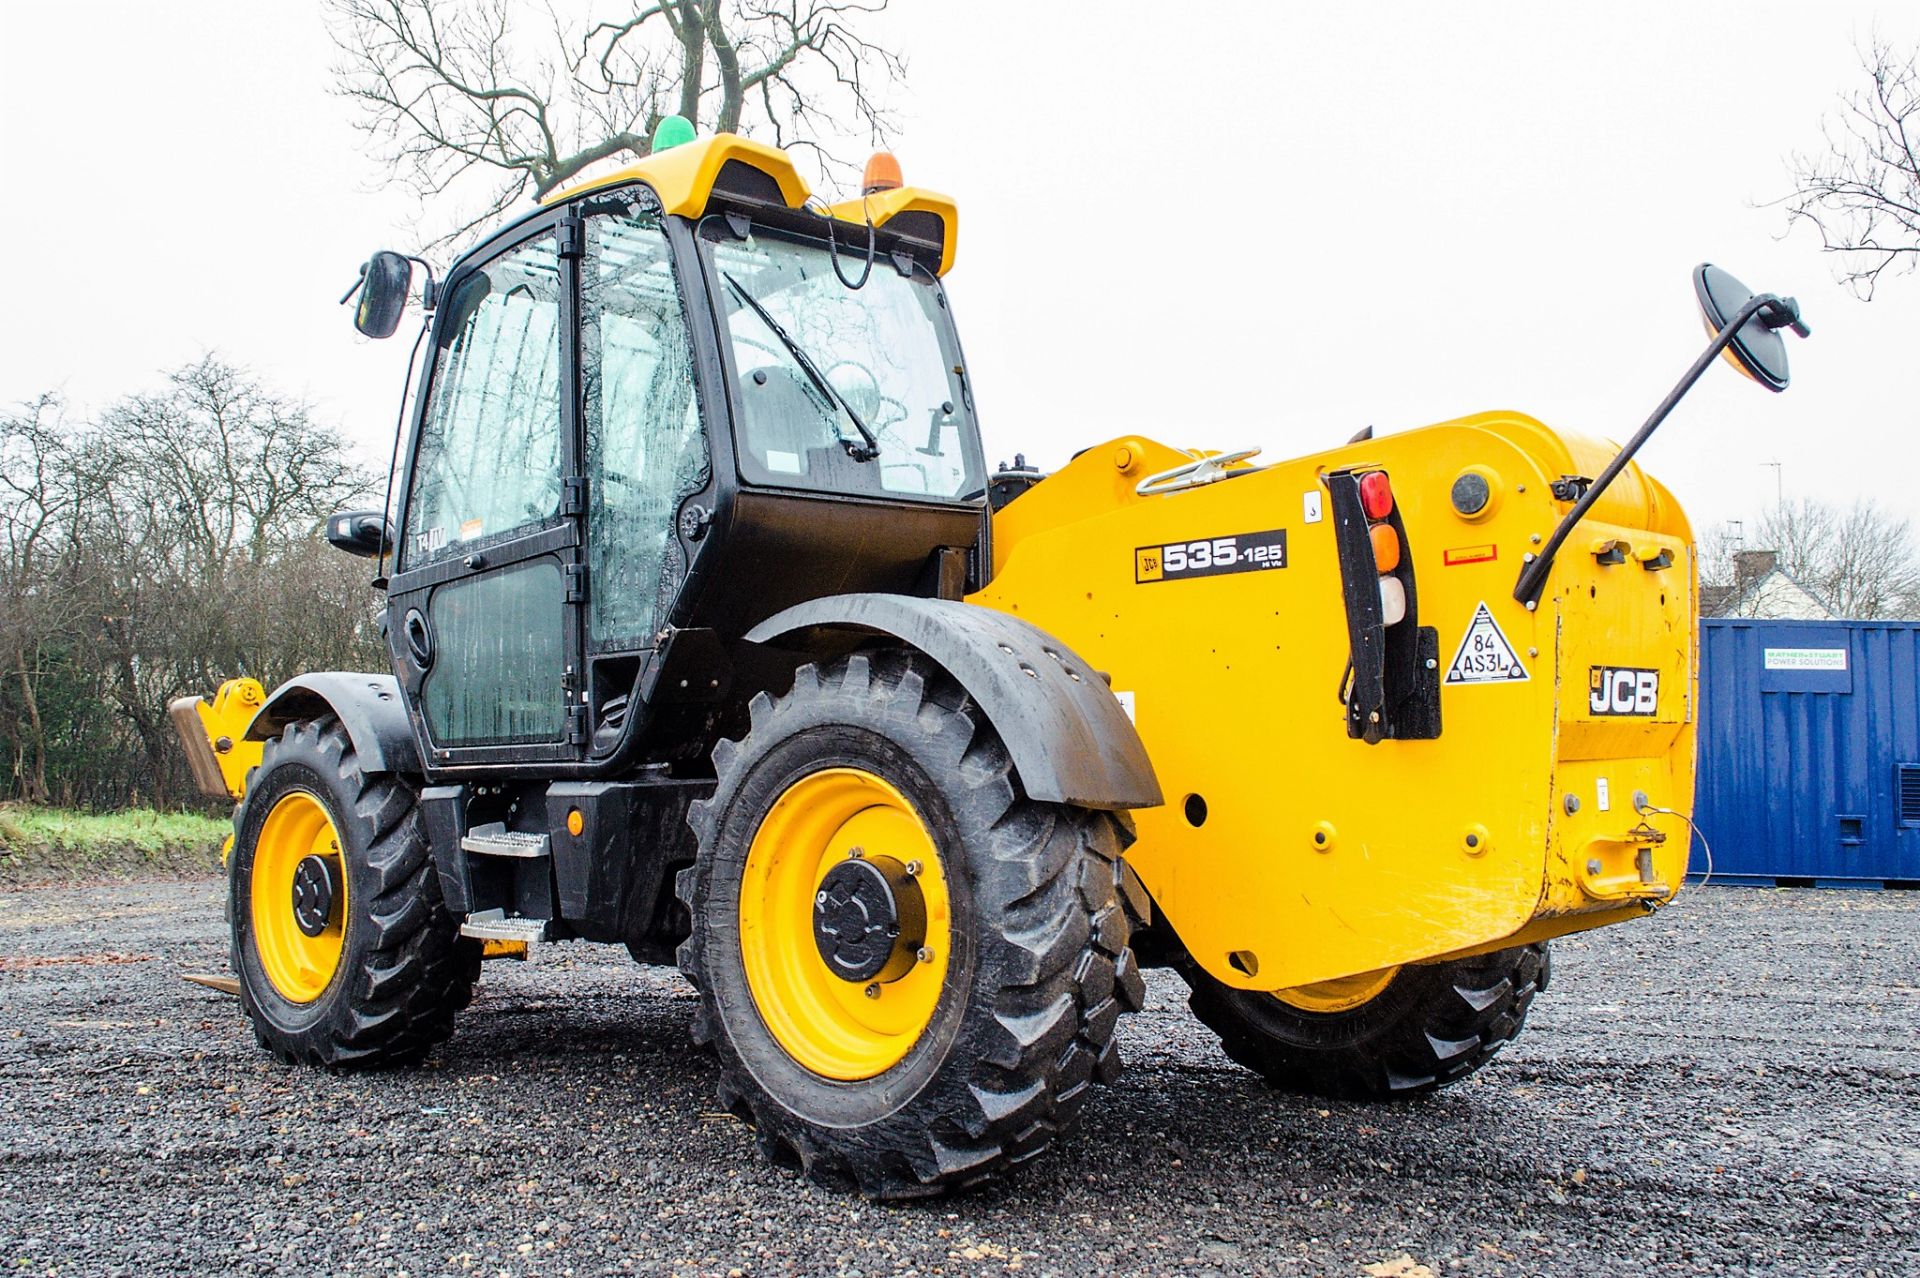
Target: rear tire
[
  {"x": 1021, "y": 1022},
  {"x": 1431, "y": 1025},
  {"x": 383, "y": 980}
]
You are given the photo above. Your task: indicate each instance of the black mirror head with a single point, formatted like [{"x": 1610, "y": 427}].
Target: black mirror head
[
  {"x": 383, "y": 293},
  {"x": 360, "y": 532},
  {"x": 1757, "y": 350}
]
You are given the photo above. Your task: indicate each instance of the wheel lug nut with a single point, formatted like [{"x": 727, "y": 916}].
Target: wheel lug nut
[
  {"x": 923, "y": 954},
  {"x": 913, "y": 867},
  {"x": 873, "y": 990},
  {"x": 855, "y": 853},
  {"x": 819, "y": 898}
]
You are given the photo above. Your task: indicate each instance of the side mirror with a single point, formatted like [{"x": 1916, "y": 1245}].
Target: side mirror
[
  {"x": 1757, "y": 349},
  {"x": 360, "y": 532},
  {"x": 384, "y": 282},
  {"x": 1746, "y": 329}
]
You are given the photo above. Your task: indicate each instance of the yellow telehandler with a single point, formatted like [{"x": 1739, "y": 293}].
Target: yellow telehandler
[{"x": 712, "y": 635}]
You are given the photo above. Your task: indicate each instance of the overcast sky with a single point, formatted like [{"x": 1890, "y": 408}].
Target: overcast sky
[{"x": 1219, "y": 225}]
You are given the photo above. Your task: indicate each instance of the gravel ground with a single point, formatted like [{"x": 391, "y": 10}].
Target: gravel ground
[{"x": 1730, "y": 1087}]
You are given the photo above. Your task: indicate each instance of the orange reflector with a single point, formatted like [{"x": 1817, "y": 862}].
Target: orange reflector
[
  {"x": 882, "y": 173},
  {"x": 1376, "y": 495},
  {"x": 575, "y": 822},
  {"x": 1386, "y": 547}
]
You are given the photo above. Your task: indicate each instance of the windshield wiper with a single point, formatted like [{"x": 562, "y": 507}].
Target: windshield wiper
[{"x": 859, "y": 452}]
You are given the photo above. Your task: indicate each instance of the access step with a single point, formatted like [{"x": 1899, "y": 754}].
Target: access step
[
  {"x": 497, "y": 840},
  {"x": 494, "y": 925}
]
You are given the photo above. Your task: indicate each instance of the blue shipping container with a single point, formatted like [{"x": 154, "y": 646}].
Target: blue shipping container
[{"x": 1809, "y": 764}]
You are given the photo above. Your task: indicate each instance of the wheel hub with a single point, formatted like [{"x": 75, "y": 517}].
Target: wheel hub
[
  {"x": 315, "y": 890},
  {"x": 869, "y": 919}
]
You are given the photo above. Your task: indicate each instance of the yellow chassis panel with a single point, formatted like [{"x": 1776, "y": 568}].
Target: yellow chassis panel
[
  {"x": 683, "y": 177},
  {"x": 1288, "y": 853}
]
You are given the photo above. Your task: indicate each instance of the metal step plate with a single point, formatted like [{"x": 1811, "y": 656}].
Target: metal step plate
[
  {"x": 497, "y": 840},
  {"x": 494, "y": 925}
]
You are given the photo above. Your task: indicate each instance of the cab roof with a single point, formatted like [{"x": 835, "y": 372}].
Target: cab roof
[{"x": 727, "y": 168}]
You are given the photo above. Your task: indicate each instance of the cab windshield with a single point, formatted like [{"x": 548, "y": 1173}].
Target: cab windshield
[{"x": 841, "y": 389}]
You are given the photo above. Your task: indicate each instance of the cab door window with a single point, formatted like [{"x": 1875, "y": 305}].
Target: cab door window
[
  {"x": 646, "y": 447},
  {"x": 487, "y": 473},
  {"x": 490, "y": 454}
]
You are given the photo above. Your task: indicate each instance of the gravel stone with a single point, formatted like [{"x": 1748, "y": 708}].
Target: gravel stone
[{"x": 1730, "y": 1087}]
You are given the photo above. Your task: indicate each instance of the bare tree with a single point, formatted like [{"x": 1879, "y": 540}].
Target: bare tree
[
  {"x": 44, "y": 485},
  {"x": 1862, "y": 193},
  {"x": 169, "y": 544},
  {"x": 1861, "y": 560},
  {"x": 1714, "y": 551},
  {"x": 513, "y": 91}
]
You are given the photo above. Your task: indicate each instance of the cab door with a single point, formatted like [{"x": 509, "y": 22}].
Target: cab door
[
  {"x": 646, "y": 451},
  {"x": 484, "y": 614}
]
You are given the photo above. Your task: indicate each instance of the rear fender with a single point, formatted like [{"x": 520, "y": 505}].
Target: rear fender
[
  {"x": 1068, "y": 737},
  {"x": 369, "y": 707}
]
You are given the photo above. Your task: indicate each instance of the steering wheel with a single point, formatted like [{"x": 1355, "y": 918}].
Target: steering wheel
[{"x": 896, "y": 411}]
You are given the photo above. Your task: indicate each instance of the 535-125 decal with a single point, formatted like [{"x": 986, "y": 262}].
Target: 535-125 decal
[{"x": 1211, "y": 556}]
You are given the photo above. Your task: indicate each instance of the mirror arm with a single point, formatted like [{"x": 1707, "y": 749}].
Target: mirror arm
[
  {"x": 1785, "y": 313},
  {"x": 429, "y": 292},
  {"x": 393, "y": 458},
  {"x": 1533, "y": 575},
  {"x": 348, "y": 295}
]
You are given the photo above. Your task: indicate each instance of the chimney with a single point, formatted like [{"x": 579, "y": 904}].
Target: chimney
[{"x": 1750, "y": 566}]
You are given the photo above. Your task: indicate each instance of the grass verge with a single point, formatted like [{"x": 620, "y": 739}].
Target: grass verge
[{"x": 59, "y": 845}]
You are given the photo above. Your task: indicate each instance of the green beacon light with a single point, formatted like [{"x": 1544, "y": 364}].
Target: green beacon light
[{"x": 673, "y": 131}]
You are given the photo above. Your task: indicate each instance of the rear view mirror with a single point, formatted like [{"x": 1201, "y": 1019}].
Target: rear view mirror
[
  {"x": 1746, "y": 329},
  {"x": 360, "y": 532},
  {"x": 384, "y": 281},
  {"x": 1757, "y": 349}
]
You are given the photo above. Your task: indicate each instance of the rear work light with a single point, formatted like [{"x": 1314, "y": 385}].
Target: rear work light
[
  {"x": 1393, "y": 601},
  {"x": 1376, "y": 494}
]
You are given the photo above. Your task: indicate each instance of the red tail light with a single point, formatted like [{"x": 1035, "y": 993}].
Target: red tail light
[{"x": 1376, "y": 494}]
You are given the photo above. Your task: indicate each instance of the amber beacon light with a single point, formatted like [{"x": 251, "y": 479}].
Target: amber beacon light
[{"x": 881, "y": 174}]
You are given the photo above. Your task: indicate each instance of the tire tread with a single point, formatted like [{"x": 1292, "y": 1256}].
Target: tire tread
[
  {"x": 418, "y": 972},
  {"x": 1451, "y": 1021},
  {"x": 1048, "y": 880}
]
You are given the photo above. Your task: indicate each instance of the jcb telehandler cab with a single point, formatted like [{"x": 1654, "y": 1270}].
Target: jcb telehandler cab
[{"x": 713, "y": 636}]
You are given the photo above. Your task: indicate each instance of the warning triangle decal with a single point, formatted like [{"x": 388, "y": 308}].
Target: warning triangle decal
[{"x": 1485, "y": 656}]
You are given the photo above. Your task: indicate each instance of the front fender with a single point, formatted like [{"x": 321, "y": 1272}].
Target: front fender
[
  {"x": 368, "y": 706},
  {"x": 1068, "y": 737}
]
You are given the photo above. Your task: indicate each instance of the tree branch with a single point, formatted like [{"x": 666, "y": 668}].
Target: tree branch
[{"x": 461, "y": 94}]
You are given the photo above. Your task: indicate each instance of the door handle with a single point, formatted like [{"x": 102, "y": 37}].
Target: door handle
[{"x": 419, "y": 638}]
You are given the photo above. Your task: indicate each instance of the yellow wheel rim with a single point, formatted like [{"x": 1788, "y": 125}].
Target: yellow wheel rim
[
  {"x": 837, "y": 1028},
  {"x": 1340, "y": 994},
  {"x": 299, "y": 966}
]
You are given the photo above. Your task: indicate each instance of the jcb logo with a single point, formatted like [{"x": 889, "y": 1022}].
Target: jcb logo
[{"x": 1623, "y": 690}]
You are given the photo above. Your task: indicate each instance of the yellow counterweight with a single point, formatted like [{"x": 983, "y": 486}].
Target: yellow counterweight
[{"x": 1289, "y": 853}]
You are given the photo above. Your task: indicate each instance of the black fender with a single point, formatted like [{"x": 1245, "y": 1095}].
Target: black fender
[
  {"x": 368, "y": 706},
  {"x": 1068, "y": 737}
]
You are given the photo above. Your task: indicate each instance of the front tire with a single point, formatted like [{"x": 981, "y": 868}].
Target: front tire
[
  {"x": 345, "y": 954},
  {"x": 1422, "y": 1027},
  {"x": 935, "y": 1070}
]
